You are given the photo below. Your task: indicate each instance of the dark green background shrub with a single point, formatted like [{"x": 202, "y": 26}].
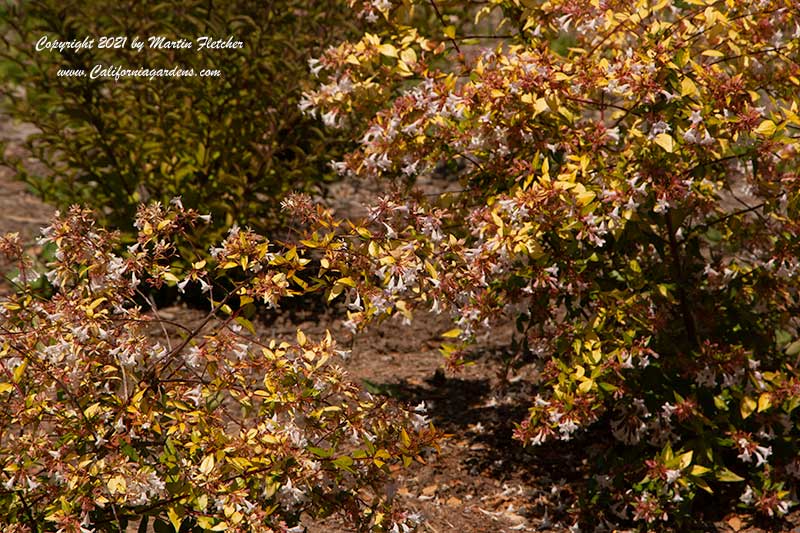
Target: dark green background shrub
[{"x": 230, "y": 146}]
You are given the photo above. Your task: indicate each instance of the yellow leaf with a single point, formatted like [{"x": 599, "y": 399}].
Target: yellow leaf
[
  {"x": 530, "y": 23},
  {"x": 92, "y": 410},
  {"x": 688, "y": 88},
  {"x": 404, "y": 70},
  {"x": 335, "y": 291},
  {"x": 404, "y": 438},
  {"x": 117, "y": 485},
  {"x": 686, "y": 459},
  {"x": 710, "y": 15},
  {"x": 713, "y": 53},
  {"x": 748, "y": 406},
  {"x": 408, "y": 56},
  {"x": 540, "y": 106},
  {"x": 388, "y": 50},
  {"x": 665, "y": 141},
  {"x": 19, "y": 371},
  {"x": 764, "y": 402},
  {"x": 452, "y": 333},
  {"x": 301, "y": 338},
  {"x": 766, "y": 128},
  {"x": 235, "y": 517},
  {"x": 207, "y": 465},
  {"x": 585, "y": 197},
  {"x": 205, "y": 522},
  {"x": 594, "y": 357},
  {"x": 450, "y": 31},
  {"x": 5, "y": 387},
  {"x": 97, "y": 302},
  {"x": 174, "y": 518},
  {"x": 497, "y": 220}
]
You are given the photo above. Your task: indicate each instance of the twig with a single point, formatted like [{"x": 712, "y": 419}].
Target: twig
[
  {"x": 688, "y": 319},
  {"x": 444, "y": 23}
]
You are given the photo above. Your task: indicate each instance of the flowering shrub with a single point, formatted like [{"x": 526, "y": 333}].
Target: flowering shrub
[
  {"x": 630, "y": 202},
  {"x": 111, "y": 412}
]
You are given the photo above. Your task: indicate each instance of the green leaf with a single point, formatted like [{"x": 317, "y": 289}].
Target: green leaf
[
  {"x": 344, "y": 463},
  {"x": 319, "y": 452},
  {"x": 246, "y": 324},
  {"x": 727, "y": 476},
  {"x": 160, "y": 526},
  {"x": 793, "y": 348},
  {"x": 130, "y": 452},
  {"x": 720, "y": 402},
  {"x": 200, "y": 155},
  {"x": 782, "y": 337},
  {"x": 713, "y": 235},
  {"x": 700, "y": 482}
]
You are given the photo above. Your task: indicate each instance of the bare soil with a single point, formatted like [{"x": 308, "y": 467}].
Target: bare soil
[{"x": 20, "y": 211}]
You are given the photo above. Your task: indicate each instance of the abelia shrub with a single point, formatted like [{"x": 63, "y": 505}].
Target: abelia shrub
[
  {"x": 630, "y": 198},
  {"x": 111, "y": 413}
]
